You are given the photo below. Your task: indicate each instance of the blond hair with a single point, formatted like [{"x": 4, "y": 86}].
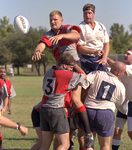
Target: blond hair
[{"x": 55, "y": 12}]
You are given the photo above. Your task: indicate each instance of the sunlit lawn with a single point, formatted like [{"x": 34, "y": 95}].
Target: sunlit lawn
[{"x": 29, "y": 93}]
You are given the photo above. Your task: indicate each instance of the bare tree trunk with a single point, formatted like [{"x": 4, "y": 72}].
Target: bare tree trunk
[{"x": 37, "y": 66}]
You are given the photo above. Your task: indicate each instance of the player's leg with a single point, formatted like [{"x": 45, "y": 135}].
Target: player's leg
[
  {"x": 37, "y": 145},
  {"x": 81, "y": 138},
  {"x": 63, "y": 141},
  {"x": 104, "y": 124},
  {"x": 104, "y": 142},
  {"x": 1, "y": 138},
  {"x": 119, "y": 125},
  {"x": 129, "y": 120},
  {"x": 129, "y": 124},
  {"x": 36, "y": 124},
  {"x": 81, "y": 110},
  {"x": 47, "y": 137}
]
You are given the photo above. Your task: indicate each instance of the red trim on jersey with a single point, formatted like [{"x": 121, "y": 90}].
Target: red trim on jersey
[
  {"x": 56, "y": 54},
  {"x": 68, "y": 99},
  {"x": 67, "y": 113},
  {"x": 75, "y": 28},
  {"x": 67, "y": 75},
  {"x": 44, "y": 100},
  {"x": 1, "y": 83},
  {"x": 80, "y": 72},
  {"x": 46, "y": 41},
  {"x": 80, "y": 109},
  {"x": 1, "y": 137},
  {"x": 8, "y": 85},
  {"x": 38, "y": 109}
]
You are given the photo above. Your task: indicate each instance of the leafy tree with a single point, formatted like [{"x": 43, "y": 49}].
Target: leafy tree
[
  {"x": 19, "y": 46},
  {"x": 120, "y": 40},
  {"x": 4, "y": 53},
  {"x": 5, "y": 27}
]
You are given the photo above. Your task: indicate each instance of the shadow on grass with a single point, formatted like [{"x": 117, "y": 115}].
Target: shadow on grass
[
  {"x": 16, "y": 149},
  {"x": 32, "y": 139}
]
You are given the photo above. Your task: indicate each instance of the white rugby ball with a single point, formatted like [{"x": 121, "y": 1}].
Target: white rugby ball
[{"x": 21, "y": 24}]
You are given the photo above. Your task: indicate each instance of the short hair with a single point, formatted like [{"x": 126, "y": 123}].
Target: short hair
[
  {"x": 129, "y": 49},
  {"x": 118, "y": 66},
  {"x": 66, "y": 59},
  {"x": 55, "y": 12},
  {"x": 89, "y": 7}
]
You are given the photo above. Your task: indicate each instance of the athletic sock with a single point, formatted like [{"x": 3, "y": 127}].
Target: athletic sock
[
  {"x": 71, "y": 145},
  {"x": 81, "y": 111},
  {"x": 116, "y": 144},
  {"x": 89, "y": 140}
]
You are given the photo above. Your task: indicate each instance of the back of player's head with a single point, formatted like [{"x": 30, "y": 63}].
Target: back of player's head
[
  {"x": 89, "y": 7},
  {"x": 118, "y": 68},
  {"x": 66, "y": 59},
  {"x": 55, "y": 12}
]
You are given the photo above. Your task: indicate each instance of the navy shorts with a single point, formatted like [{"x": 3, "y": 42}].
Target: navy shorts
[
  {"x": 130, "y": 109},
  {"x": 54, "y": 120},
  {"x": 121, "y": 115},
  {"x": 90, "y": 64},
  {"x": 35, "y": 118},
  {"x": 101, "y": 121}
]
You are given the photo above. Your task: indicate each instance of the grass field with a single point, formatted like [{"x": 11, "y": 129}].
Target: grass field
[{"x": 29, "y": 93}]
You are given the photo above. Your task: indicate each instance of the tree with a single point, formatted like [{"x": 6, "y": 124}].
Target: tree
[
  {"x": 5, "y": 27},
  {"x": 4, "y": 53},
  {"x": 19, "y": 46},
  {"x": 120, "y": 40}
]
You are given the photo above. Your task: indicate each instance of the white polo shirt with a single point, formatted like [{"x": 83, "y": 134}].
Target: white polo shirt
[
  {"x": 127, "y": 81},
  {"x": 104, "y": 91},
  {"x": 93, "y": 39}
]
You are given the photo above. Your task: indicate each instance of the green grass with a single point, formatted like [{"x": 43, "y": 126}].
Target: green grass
[{"x": 29, "y": 93}]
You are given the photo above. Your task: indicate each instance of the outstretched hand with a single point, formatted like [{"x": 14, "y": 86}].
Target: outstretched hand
[{"x": 37, "y": 55}]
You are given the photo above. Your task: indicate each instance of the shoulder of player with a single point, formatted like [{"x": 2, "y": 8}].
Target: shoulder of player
[
  {"x": 1, "y": 83},
  {"x": 100, "y": 24},
  {"x": 8, "y": 81}
]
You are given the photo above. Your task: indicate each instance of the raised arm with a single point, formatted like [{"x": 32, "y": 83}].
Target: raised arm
[{"x": 38, "y": 51}]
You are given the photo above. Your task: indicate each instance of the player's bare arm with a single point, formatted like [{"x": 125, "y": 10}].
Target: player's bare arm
[
  {"x": 103, "y": 61},
  {"x": 74, "y": 35},
  {"x": 78, "y": 69},
  {"x": 5, "y": 106},
  {"x": 84, "y": 50},
  {"x": 38, "y": 51}
]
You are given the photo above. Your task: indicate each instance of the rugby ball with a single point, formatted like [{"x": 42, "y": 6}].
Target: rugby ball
[{"x": 21, "y": 24}]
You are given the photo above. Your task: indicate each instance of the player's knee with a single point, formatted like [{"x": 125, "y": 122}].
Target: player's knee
[
  {"x": 66, "y": 145},
  {"x": 117, "y": 133}
]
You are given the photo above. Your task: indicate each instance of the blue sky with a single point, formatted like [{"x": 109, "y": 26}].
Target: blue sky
[{"x": 37, "y": 11}]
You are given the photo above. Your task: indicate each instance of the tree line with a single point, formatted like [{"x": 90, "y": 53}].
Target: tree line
[{"x": 18, "y": 49}]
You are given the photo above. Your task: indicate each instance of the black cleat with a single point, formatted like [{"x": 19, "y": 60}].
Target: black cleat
[{"x": 89, "y": 140}]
